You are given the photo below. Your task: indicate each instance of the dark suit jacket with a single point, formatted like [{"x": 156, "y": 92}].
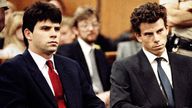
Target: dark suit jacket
[
  {"x": 75, "y": 52},
  {"x": 22, "y": 85},
  {"x": 134, "y": 85}
]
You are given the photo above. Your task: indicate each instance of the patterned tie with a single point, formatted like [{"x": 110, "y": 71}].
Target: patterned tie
[
  {"x": 165, "y": 83},
  {"x": 57, "y": 87}
]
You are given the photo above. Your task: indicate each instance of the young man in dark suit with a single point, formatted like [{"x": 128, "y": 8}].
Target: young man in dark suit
[
  {"x": 152, "y": 78},
  {"x": 91, "y": 58},
  {"x": 38, "y": 78}
]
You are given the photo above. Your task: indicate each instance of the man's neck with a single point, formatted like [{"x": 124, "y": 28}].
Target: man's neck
[{"x": 47, "y": 55}]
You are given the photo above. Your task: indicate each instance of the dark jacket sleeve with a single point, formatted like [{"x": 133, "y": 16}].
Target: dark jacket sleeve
[
  {"x": 90, "y": 100},
  {"x": 120, "y": 95},
  {"x": 12, "y": 94}
]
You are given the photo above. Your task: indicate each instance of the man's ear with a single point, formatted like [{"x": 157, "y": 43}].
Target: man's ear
[
  {"x": 28, "y": 34},
  {"x": 138, "y": 37},
  {"x": 75, "y": 31}
]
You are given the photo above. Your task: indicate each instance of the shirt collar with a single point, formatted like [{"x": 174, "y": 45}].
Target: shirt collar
[
  {"x": 151, "y": 57},
  {"x": 39, "y": 60},
  {"x": 84, "y": 46}
]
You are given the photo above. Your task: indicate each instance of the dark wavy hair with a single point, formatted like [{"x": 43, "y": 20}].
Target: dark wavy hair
[
  {"x": 40, "y": 11},
  {"x": 147, "y": 13}
]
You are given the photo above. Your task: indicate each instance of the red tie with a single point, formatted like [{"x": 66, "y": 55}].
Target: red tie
[{"x": 57, "y": 87}]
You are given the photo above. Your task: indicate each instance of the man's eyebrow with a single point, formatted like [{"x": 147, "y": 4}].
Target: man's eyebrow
[
  {"x": 160, "y": 29},
  {"x": 148, "y": 33}
]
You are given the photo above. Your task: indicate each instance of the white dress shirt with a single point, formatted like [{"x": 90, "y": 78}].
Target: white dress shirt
[
  {"x": 86, "y": 48},
  {"x": 164, "y": 63},
  {"x": 41, "y": 63}
]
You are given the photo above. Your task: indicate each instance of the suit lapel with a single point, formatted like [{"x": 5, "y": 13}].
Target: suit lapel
[
  {"x": 179, "y": 78},
  {"x": 103, "y": 69},
  {"x": 39, "y": 78},
  {"x": 149, "y": 82},
  {"x": 100, "y": 61},
  {"x": 81, "y": 60},
  {"x": 65, "y": 76}
]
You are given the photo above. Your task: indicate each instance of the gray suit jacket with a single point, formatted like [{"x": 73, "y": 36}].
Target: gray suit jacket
[{"x": 134, "y": 84}]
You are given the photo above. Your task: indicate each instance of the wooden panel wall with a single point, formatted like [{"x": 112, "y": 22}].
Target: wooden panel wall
[
  {"x": 71, "y": 5},
  {"x": 114, "y": 14},
  {"x": 22, "y": 4}
]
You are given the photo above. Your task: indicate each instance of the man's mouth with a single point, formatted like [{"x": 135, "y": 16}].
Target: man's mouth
[
  {"x": 158, "y": 46},
  {"x": 53, "y": 42}
]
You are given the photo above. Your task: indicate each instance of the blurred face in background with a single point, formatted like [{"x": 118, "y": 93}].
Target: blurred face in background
[
  {"x": 88, "y": 29},
  {"x": 13, "y": 32},
  {"x": 67, "y": 35},
  {"x": 19, "y": 33},
  {"x": 9, "y": 11}
]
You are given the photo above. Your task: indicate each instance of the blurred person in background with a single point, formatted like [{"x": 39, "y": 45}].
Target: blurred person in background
[
  {"x": 8, "y": 12},
  {"x": 59, "y": 4},
  {"x": 67, "y": 35},
  {"x": 3, "y": 8},
  {"x": 13, "y": 42},
  {"x": 91, "y": 59},
  {"x": 105, "y": 43},
  {"x": 128, "y": 47},
  {"x": 179, "y": 19}
]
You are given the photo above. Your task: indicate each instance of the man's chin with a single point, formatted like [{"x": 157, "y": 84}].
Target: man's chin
[
  {"x": 52, "y": 50},
  {"x": 90, "y": 41},
  {"x": 158, "y": 52}
]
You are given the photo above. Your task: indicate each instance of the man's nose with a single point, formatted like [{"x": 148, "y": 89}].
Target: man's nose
[
  {"x": 54, "y": 33},
  {"x": 156, "y": 37},
  {"x": 90, "y": 26}
]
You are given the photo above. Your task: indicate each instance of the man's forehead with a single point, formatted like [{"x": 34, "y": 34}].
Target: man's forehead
[
  {"x": 47, "y": 22},
  {"x": 89, "y": 19},
  {"x": 159, "y": 24}
]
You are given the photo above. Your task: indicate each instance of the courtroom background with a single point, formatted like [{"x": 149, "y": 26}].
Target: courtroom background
[{"x": 114, "y": 14}]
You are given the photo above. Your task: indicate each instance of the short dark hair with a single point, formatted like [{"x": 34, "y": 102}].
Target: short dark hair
[
  {"x": 83, "y": 13},
  {"x": 147, "y": 13},
  {"x": 40, "y": 11}
]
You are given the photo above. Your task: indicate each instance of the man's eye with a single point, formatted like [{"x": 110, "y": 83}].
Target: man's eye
[
  {"x": 45, "y": 28},
  {"x": 159, "y": 31},
  {"x": 57, "y": 28},
  {"x": 148, "y": 34}
]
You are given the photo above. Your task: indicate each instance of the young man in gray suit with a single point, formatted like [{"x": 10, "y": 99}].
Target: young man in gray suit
[{"x": 152, "y": 78}]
